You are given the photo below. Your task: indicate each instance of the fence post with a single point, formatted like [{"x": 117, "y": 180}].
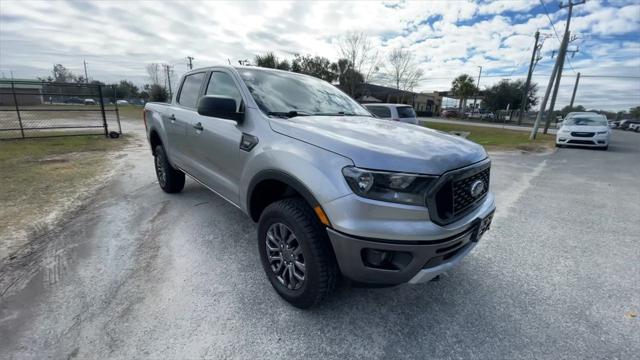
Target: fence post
[
  {"x": 104, "y": 115},
  {"x": 15, "y": 102},
  {"x": 115, "y": 101}
]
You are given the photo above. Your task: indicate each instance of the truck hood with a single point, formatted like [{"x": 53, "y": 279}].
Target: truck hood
[{"x": 383, "y": 145}]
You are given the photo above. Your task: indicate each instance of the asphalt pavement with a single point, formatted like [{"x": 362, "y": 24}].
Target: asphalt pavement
[{"x": 139, "y": 273}]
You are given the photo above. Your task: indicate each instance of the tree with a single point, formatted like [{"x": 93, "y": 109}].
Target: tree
[
  {"x": 61, "y": 75},
  {"x": 358, "y": 50},
  {"x": 317, "y": 66},
  {"x": 154, "y": 72},
  {"x": 508, "y": 93},
  {"x": 270, "y": 60},
  {"x": 126, "y": 90},
  {"x": 348, "y": 77},
  {"x": 402, "y": 70},
  {"x": 463, "y": 87},
  {"x": 567, "y": 109},
  {"x": 635, "y": 112},
  {"x": 157, "y": 93}
]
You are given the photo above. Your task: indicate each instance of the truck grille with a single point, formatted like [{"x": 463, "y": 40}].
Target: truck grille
[
  {"x": 454, "y": 198},
  {"x": 462, "y": 197},
  {"x": 582, "y": 134}
]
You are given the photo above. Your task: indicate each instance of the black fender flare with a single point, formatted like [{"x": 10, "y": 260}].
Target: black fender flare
[{"x": 283, "y": 177}]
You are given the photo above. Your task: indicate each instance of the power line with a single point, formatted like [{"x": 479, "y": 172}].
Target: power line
[{"x": 550, "y": 21}]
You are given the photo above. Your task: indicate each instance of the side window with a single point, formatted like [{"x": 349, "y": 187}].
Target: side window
[
  {"x": 380, "y": 111},
  {"x": 190, "y": 91},
  {"x": 221, "y": 84}
]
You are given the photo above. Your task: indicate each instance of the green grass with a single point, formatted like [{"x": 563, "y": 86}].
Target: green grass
[
  {"x": 39, "y": 176},
  {"x": 499, "y": 139}
]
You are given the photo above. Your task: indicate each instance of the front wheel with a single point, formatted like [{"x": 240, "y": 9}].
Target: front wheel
[
  {"x": 170, "y": 180},
  {"x": 295, "y": 253}
]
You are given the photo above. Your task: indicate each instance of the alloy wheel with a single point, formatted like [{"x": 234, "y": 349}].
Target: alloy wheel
[{"x": 285, "y": 256}]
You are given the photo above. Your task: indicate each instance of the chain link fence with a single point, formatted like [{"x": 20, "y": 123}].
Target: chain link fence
[{"x": 42, "y": 109}]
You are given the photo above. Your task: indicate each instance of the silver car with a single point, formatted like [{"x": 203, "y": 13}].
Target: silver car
[{"x": 335, "y": 191}]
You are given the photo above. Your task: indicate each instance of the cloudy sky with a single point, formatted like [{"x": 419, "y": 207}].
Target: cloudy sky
[{"x": 117, "y": 38}]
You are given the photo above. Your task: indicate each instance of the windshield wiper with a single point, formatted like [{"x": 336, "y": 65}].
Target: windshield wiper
[
  {"x": 339, "y": 113},
  {"x": 288, "y": 114}
]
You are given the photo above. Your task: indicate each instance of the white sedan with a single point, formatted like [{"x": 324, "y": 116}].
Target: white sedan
[{"x": 584, "y": 129}]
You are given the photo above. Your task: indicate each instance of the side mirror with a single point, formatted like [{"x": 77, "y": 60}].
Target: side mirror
[{"x": 220, "y": 107}]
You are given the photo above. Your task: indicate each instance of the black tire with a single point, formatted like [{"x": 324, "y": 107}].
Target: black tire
[
  {"x": 170, "y": 180},
  {"x": 320, "y": 269}
]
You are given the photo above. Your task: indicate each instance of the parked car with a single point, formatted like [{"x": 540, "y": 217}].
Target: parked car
[
  {"x": 89, "y": 102},
  {"x": 584, "y": 129},
  {"x": 333, "y": 189},
  {"x": 634, "y": 126},
  {"x": 73, "y": 100},
  {"x": 449, "y": 113},
  {"x": 626, "y": 124},
  {"x": 395, "y": 112},
  {"x": 122, "y": 102},
  {"x": 481, "y": 114}
]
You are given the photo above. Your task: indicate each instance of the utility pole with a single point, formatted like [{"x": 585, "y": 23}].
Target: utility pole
[
  {"x": 86, "y": 77},
  {"x": 478, "y": 89},
  {"x": 543, "y": 105},
  {"x": 561, "y": 57},
  {"x": 190, "y": 58},
  {"x": 525, "y": 96},
  {"x": 557, "y": 71},
  {"x": 167, "y": 69},
  {"x": 575, "y": 87}
]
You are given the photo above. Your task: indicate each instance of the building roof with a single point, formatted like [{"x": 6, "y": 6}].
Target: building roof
[{"x": 21, "y": 84}]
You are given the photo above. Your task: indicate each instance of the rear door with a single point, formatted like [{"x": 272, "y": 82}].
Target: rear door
[
  {"x": 214, "y": 143},
  {"x": 179, "y": 117}
]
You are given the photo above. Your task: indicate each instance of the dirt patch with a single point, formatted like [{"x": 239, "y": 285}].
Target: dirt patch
[{"x": 44, "y": 180}]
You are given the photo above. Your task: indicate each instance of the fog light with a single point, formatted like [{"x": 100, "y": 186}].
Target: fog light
[
  {"x": 377, "y": 258},
  {"x": 387, "y": 260}
]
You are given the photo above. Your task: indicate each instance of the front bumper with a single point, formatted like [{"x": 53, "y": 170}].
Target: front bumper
[
  {"x": 598, "y": 140},
  {"x": 414, "y": 262}
]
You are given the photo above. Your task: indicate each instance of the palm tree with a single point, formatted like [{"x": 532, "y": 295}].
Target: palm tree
[{"x": 463, "y": 87}]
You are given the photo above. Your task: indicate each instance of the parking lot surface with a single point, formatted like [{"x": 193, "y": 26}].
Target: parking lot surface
[{"x": 139, "y": 273}]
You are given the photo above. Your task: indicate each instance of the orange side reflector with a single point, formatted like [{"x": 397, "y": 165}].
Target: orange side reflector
[{"x": 321, "y": 215}]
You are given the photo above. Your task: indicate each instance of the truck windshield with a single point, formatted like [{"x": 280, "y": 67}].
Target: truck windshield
[{"x": 280, "y": 93}]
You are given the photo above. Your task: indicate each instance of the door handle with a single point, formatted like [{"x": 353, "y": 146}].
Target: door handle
[
  {"x": 198, "y": 126},
  {"x": 172, "y": 118}
]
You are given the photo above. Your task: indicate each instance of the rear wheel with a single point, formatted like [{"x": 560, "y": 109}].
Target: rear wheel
[
  {"x": 295, "y": 253},
  {"x": 170, "y": 180}
]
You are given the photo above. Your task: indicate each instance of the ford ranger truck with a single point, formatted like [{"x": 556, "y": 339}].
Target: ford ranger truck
[{"x": 334, "y": 191}]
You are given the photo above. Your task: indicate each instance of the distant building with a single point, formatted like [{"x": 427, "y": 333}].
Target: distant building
[
  {"x": 28, "y": 92},
  {"x": 425, "y": 104}
]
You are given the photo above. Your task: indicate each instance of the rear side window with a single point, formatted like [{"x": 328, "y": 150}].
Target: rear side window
[
  {"x": 190, "y": 91},
  {"x": 406, "y": 112},
  {"x": 380, "y": 111},
  {"x": 221, "y": 84}
]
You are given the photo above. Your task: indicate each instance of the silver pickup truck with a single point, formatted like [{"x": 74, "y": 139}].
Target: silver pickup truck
[{"x": 334, "y": 190}]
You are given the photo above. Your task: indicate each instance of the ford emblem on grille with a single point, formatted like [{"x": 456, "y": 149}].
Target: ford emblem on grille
[{"x": 477, "y": 188}]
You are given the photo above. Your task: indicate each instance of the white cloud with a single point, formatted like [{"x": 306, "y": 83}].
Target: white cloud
[{"x": 448, "y": 37}]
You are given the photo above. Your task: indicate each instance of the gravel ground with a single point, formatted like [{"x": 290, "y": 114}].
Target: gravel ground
[{"x": 143, "y": 274}]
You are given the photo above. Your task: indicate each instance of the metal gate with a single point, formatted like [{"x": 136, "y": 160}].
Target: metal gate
[{"x": 42, "y": 109}]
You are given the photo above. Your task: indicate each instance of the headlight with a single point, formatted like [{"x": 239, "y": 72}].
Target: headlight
[
  {"x": 400, "y": 188},
  {"x": 564, "y": 131},
  {"x": 602, "y": 132}
]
